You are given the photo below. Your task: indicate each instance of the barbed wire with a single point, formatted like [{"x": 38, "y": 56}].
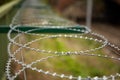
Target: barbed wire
[{"x": 29, "y": 16}]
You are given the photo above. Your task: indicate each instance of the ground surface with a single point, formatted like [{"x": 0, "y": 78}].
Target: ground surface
[{"x": 111, "y": 32}]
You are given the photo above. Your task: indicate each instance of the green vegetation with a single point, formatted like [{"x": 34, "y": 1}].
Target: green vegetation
[
  {"x": 5, "y": 20},
  {"x": 4, "y": 1},
  {"x": 71, "y": 64},
  {"x": 3, "y": 55}
]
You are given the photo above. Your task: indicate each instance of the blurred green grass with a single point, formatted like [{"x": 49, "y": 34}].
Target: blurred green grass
[{"x": 74, "y": 64}]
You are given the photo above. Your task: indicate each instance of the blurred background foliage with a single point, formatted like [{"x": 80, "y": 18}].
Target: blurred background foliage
[
  {"x": 103, "y": 10},
  {"x": 4, "y": 1}
]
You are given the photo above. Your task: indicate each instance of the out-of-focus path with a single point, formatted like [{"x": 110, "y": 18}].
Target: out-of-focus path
[{"x": 112, "y": 33}]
